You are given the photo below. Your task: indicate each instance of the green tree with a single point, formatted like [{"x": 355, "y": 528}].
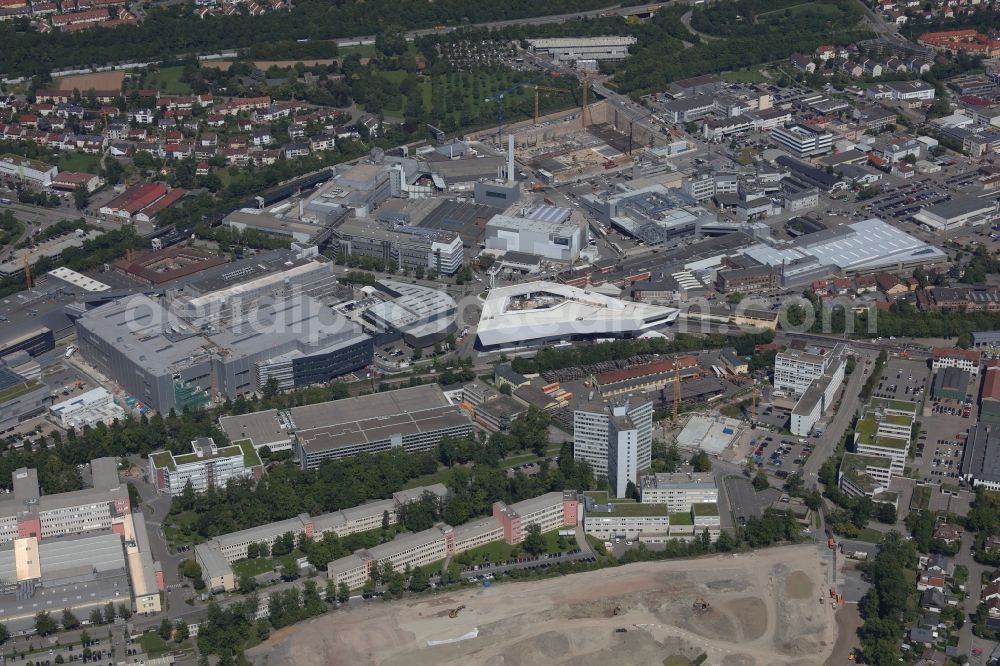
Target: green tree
[
  {"x": 343, "y": 593},
  {"x": 165, "y": 629},
  {"x": 760, "y": 481},
  {"x": 96, "y": 617},
  {"x": 69, "y": 620},
  {"x": 181, "y": 631},
  {"x": 44, "y": 624},
  {"x": 81, "y": 197},
  {"x": 419, "y": 580},
  {"x": 701, "y": 462},
  {"x": 534, "y": 542}
]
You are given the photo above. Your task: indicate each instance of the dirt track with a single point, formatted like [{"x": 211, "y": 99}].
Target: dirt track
[
  {"x": 97, "y": 81},
  {"x": 765, "y": 611}
]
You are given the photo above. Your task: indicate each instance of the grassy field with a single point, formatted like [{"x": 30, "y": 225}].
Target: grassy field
[
  {"x": 498, "y": 551},
  {"x": 744, "y": 76},
  {"x": 168, "y": 80},
  {"x": 676, "y": 660},
  {"x": 79, "y": 162},
  {"x": 444, "y": 474},
  {"x": 152, "y": 644},
  {"x": 921, "y": 498},
  {"x": 869, "y": 535},
  {"x": 176, "y": 530},
  {"x": 254, "y": 567}
]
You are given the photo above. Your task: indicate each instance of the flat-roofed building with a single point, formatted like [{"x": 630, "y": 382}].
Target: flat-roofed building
[
  {"x": 21, "y": 398},
  {"x": 802, "y": 140},
  {"x": 678, "y": 491},
  {"x": 207, "y": 466},
  {"x": 615, "y": 438},
  {"x": 401, "y": 246},
  {"x": 960, "y": 211},
  {"x": 606, "y": 519},
  {"x": 864, "y": 476},
  {"x": 584, "y": 48},
  {"x": 87, "y": 409},
  {"x": 27, "y": 170},
  {"x": 549, "y": 512},
  {"x": 885, "y": 430},
  {"x": 414, "y": 419},
  {"x": 274, "y": 225},
  {"x": 553, "y": 239},
  {"x": 981, "y": 457}
]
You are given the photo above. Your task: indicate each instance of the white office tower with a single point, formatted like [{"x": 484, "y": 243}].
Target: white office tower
[{"x": 616, "y": 438}]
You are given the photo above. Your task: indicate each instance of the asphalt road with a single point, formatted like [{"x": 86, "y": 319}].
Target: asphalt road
[{"x": 827, "y": 442}]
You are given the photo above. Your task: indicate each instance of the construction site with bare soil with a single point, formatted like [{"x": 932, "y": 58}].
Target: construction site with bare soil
[{"x": 758, "y": 609}]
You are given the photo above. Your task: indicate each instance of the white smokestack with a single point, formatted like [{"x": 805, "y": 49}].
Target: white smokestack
[{"x": 510, "y": 158}]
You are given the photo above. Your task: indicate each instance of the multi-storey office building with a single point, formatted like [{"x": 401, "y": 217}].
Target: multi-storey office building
[
  {"x": 205, "y": 467},
  {"x": 615, "y": 438},
  {"x": 678, "y": 491}
]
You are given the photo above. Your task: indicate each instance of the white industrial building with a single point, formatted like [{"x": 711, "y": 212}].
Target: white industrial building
[
  {"x": 27, "y": 170},
  {"x": 87, "y": 410},
  {"x": 867, "y": 246},
  {"x": 959, "y": 212},
  {"x": 802, "y": 140},
  {"x": 571, "y": 49},
  {"x": 547, "y": 232},
  {"x": 652, "y": 214},
  {"x": 536, "y": 313},
  {"x": 616, "y": 439}
]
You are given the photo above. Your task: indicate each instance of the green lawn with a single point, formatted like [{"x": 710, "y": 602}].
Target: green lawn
[
  {"x": 72, "y": 161},
  {"x": 254, "y": 567},
  {"x": 152, "y": 644},
  {"x": 363, "y": 51},
  {"x": 744, "y": 76},
  {"x": 180, "y": 530},
  {"x": 168, "y": 80},
  {"x": 498, "y": 551},
  {"x": 921, "y": 498},
  {"x": 869, "y": 535},
  {"x": 440, "y": 476}
]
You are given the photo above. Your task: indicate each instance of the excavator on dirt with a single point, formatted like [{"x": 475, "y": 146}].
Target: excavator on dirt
[
  {"x": 453, "y": 613},
  {"x": 700, "y": 606}
]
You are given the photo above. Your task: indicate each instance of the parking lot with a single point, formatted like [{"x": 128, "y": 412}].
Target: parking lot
[
  {"x": 904, "y": 379},
  {"x": 779, "y": 455},
  {"x": 942, "y": 437}
]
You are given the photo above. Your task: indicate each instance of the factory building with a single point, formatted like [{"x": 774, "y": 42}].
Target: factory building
[
  {"x": 87, "y": 409},
  {"x": 400, "y": 245},
  {"x": 20, "y": 398},
  {"x": 422, "y": 316},
  {"x": 546, "y": 232},
  {"x": 225, "y": 336},
  {"x": 572, "y": 49},
  {"x": 26, "y": 170}
]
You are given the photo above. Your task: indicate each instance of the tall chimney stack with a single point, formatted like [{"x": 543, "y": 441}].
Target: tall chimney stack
[{"x": 510, "y": 158}]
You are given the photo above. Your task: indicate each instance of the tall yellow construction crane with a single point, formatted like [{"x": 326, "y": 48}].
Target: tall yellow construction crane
[
  {"x": 550, "y": 89},
  {"x": 27, "y": 270},
  {"x": 677, "y": 392}
]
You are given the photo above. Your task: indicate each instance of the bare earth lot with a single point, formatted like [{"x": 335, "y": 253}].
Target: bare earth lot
[
  {"x": 97, "y": 81},
  {"x": 765, "y": 610}
]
